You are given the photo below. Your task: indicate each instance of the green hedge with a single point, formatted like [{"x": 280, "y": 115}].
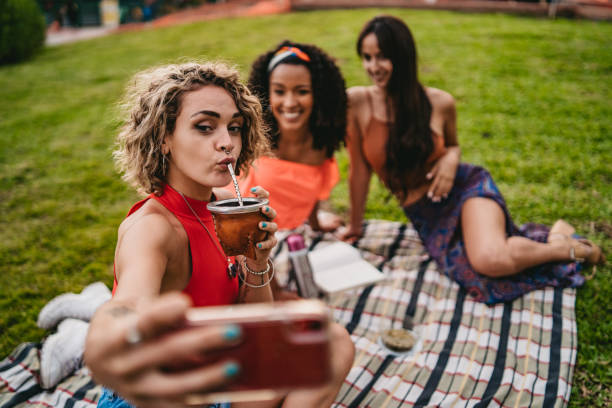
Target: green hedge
[{"x": 22, "y": 30}]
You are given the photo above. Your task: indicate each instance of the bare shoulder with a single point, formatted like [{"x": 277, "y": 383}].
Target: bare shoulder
[
  {"x": 356, "y": 95},
  {"x": 151, "y": 223},
  {"x": 358, "y": 107},
  {"x": 150, "y": 247},
  {"x": 440, "y": 99}
]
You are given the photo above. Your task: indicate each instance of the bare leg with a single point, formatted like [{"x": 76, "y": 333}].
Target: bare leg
[{"x": 493, "y": 254}]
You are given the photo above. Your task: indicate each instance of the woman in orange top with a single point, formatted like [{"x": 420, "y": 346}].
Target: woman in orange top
[
  {"x": 406, "y": 133},
  {"x": 304, "y": 101}
]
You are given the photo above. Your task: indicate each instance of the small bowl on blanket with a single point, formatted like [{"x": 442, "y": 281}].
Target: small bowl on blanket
[
  {"x": 238, "y": 226},
  {"x": 400, "y": 342}
]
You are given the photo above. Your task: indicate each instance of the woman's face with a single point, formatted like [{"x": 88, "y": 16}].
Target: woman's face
[
  {"x": 291, "y": 97},
  {"x": 207, "y": 127},
  {"x": 378, "y": 67}
]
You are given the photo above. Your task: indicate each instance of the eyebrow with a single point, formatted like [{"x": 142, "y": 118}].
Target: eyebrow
[
  {"x": 213, "y": 114},
  {"x": 279, "y": 84}
]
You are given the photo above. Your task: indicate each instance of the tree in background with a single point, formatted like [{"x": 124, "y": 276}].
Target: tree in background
[{"x": 22, "y": 30}]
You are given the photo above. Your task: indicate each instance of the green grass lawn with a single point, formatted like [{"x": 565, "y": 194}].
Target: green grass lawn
[{"x": 533, "y": 100}]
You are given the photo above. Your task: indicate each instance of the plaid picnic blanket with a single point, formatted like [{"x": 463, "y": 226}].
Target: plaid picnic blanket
[
  {"x": 20, "y": 384},
  {"x": 467, "y": 354}
]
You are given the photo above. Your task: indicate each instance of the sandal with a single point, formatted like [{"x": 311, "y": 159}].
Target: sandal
[
  {"x": 583, "y": 250},
  {"x": 560, "y": 230}
]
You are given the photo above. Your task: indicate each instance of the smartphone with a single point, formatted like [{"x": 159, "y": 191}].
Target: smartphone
[{"x": 285, "y": 345}]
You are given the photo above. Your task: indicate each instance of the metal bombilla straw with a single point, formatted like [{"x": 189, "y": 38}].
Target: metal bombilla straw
[{"x": 231, "y": 170}]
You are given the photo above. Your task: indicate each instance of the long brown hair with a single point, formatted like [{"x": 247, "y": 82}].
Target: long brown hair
[{"x": 410, "y": 142}]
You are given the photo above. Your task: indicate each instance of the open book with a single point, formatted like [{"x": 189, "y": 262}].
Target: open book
[{"x": 339, "y": 266}]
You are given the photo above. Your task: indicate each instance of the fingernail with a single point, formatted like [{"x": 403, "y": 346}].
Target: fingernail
[
  {"x": 266, "y": 209},
  {"x": 430, "y": 194},
  {"x": 231, "y": 369},
  {"x": 264, "y": 225},
  {"x": 259, "y": 245},
  {"x": 253, "y": 189},
  {"x": 232, "y": 332}
]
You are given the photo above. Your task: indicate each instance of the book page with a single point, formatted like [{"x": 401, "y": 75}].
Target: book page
[
  {"x": 339, "y": 267},
  {"x": 332, "y": 255}
]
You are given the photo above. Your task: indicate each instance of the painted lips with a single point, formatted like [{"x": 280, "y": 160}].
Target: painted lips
[{"x": 223, "y": 163}]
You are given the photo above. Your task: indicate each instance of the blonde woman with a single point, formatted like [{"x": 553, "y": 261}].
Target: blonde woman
[{"x": 184, "y": 124}]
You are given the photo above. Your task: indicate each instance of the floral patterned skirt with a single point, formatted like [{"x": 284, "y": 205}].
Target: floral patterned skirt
[{"x": 438, "y": 225}]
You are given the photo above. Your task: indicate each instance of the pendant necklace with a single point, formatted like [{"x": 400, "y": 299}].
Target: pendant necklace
[{"x": 231, "y": 268}]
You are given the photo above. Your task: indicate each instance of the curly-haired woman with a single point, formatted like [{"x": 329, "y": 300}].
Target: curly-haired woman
[
  {"x": 183, "y": 125},
  {"x": 406, "y": 133},
  {"x": 304, "y": 103}
]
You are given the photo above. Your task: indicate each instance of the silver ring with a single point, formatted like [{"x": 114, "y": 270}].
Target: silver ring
[{"x": 133, "y": 335}]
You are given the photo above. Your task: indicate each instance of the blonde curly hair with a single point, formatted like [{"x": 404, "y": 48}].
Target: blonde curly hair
[{"x": 151, "y": 106}]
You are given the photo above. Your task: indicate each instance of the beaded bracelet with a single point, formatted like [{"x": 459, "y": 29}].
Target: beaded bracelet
[
  {"x": 250, "y": 285},
  {"x": 249, "y": 270}
]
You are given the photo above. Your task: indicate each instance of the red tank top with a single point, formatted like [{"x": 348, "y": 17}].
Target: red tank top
[{"x": 209, "y": 284}]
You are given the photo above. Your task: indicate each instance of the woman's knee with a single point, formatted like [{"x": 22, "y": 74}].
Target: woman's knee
[
  {"x": 484, "y": 234},
  {"x": 491, "y": 261},
  {"x": 343, "y": 350}
]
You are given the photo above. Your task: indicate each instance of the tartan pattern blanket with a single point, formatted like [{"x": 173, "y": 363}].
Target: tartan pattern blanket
[
  {"x": 20, "y": 384},
  {"x": 468, "y": 354},
  {"x": 515, "y": 354}
]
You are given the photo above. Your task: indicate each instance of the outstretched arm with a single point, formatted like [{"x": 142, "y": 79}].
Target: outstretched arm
[
  {"x": 359, "y": 175},
  {"x": 134, "y": 336},
  {"x": 134, "y": 368},
  {"x": 141, "y": 257}
]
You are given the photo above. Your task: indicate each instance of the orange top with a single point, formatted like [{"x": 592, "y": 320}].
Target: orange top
[
  {"x": 294, "y": 187},
  {"x": 374, "y": 144}
]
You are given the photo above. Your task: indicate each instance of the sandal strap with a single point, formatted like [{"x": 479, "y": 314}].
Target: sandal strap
[
  {"x": 583, "y": 242},
  {"x": 572, "y": 253}
]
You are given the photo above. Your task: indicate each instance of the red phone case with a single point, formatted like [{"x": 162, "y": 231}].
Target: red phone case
[{"x": 285, "y": 346}]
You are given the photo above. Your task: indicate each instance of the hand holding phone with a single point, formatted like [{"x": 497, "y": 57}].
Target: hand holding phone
[{"x": 285, "y": 346}]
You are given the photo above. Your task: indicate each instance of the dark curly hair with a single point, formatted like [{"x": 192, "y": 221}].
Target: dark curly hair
[{"x": 328, "y": 118}]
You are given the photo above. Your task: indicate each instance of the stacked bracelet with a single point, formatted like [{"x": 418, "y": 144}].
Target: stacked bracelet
[
  {"x": 250, "y": 285},
  {"x": 249, "y": 270}
]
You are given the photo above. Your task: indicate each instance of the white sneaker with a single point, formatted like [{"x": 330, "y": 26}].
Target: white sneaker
[
  {"x": 81, "y": 306},
  {"x": 62, "y": 352},
  {"x": 96, "y": 289}
]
